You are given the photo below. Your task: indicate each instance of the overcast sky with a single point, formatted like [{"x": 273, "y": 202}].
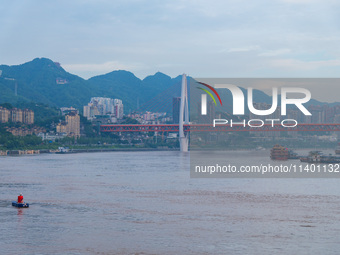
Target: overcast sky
[{"x": 224, "y": 38}]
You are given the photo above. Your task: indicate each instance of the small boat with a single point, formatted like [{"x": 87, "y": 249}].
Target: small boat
[
  {"x": 279, "y": 152},
  {"x": 63, "y": 150},
  {"x": 318, "y": 157},
  {"x": 20, "y": 205}
]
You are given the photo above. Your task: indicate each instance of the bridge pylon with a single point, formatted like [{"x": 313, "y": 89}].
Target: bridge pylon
[{"x": 184, "y": 116}]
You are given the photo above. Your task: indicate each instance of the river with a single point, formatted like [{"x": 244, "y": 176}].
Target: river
[{"x": 146, "y": 203}]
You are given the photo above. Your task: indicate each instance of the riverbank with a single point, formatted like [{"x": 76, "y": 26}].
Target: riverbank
[
  {"x": 73, "y": 151},
  {"x": 116, "y": 149},
  {"x": 19, "y": 152}
]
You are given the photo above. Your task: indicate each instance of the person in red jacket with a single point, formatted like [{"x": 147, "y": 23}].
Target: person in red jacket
[{"x": 20, "y": 198}]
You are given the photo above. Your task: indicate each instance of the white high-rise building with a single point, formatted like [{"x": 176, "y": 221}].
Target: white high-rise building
[
  {"x": 90, "y": 111},
  {"x": 118, "y": 108},
  {"x": 103, "y": 106}
]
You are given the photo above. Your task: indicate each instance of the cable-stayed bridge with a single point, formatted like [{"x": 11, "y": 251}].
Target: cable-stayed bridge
[{"x": 184, "y": 128}]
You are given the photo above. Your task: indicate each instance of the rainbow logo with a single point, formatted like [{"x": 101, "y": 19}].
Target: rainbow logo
[{"x": 209, "y": 93}]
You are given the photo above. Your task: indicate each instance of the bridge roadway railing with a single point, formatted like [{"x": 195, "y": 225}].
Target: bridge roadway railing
[{"x": 217, "y": 128}]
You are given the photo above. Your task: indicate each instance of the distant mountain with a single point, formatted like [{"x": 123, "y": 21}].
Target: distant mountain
[
  {"x": 44, "y": 81},
  {"x": 161, "y": 79}
]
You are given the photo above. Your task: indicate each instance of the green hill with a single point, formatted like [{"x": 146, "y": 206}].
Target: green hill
[{"x": 44, "y": 81}]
